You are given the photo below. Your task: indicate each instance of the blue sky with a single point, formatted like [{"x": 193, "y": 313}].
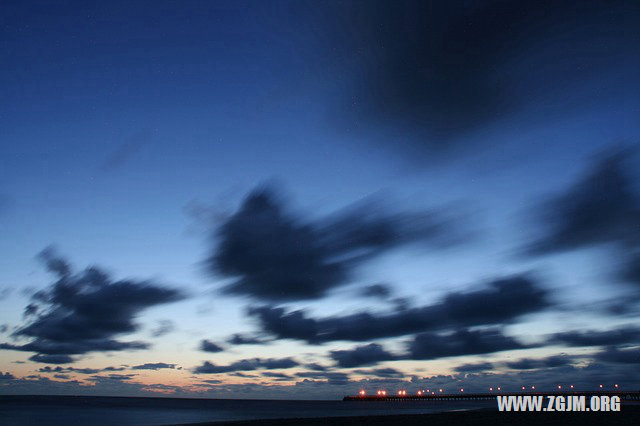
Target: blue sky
[{"x": 227, "y": 157}]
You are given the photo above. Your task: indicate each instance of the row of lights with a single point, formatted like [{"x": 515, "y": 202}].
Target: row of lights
[
  {"x": 403, "y": 392},
  {"x": 601, "y": 386},
  {"x": 422, "y": 392}
]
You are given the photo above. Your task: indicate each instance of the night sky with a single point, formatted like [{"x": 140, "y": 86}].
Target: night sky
[{"x": 302, "y": 199}]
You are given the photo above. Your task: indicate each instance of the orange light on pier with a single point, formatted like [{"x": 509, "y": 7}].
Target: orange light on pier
[
  {"x": 362, "y": 392},
  {"x": 439, "y": 390},
  {"x": 533, "y": 387},
  {"x": 615, "y": 386},
  {"x": 461, "y": 389},
  {"x": 491, "y": 389},
  {"x": 419, "y": 393},
  {"x": 499, "y": 388},
  {"x": 600, "y": 386},
  {"x": 571, "y": 386},
  {"x": 559, "y": 386}
]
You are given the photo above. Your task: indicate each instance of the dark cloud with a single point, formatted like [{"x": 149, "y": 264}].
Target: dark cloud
[
  {"x": 6, "y": 376},
  {"x": 153, "y": 366},
  {"x": 631, "y": 270},
  {"x": 462, "y": 342},
  {"x": 536, "y": 363},
  {"x": 164, "y": 327},
  {"x": 274, "y": 363},
  {"x": 603, "y": 207},
  {"x": 597, "y": 338},
  {"x": 311, "y": 374},
  {"x": 277, "y": 376},
  {"x": 614, "y": 355},
  {"x": 243, "y": 375},
  {"x": 362, "y": 355},
  {"x": 112, "y": 378},
  {"x": 51, "y": 359},
  {"x": 331, "y": 377},
  {"x": 381, "y": 291},
  {"x": 30, "y": 309},
  {"x": 474, "y": 368},
  {"x": 85, "y": 311},
  {"x": 337, "y": 378},
  {"x": 600, "y": 208},
  {"x": 439, "y": 69},
  {"x": 274, "y": 256},
  {"x": 499, "y": 302},
  {"x": 316, "y": 367},
  {"x": 79, "y": 347},
  {"x": 208, "y": 346},
  {"x": 381, "y": 372},
  {"x": 105, "y": 369},
  {"x": 48, "y": 369},
  {"x": 243, "y": 339},
  {"x": 209, "y": 368},
  {"x": 246, "y": 365}
]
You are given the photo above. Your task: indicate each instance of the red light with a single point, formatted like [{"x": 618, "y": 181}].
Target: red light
[
  {"x": 362, "y": 392},
  {"x": 419, "y": 392},
  {"x": 559, "y": 386}
]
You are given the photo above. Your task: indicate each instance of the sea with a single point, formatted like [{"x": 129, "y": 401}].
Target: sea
[{"x": 120, "y": 411}]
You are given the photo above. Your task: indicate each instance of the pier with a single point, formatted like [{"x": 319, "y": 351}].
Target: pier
[{"x": 624, "y": 396}]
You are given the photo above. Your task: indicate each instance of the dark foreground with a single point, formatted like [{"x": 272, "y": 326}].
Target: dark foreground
[
  {"x": 121, "y": 411},
  {"x": 124, "y": 411},
  {"x": 628, "y": 415}
]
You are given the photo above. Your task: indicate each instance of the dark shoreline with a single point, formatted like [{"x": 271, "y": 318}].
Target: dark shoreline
[{"x": 628, "y": 415}]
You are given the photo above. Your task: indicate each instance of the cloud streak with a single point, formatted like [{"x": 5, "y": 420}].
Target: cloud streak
[
  {"x": 246, "y": 365},
  {"x": 498, "y": 302}
]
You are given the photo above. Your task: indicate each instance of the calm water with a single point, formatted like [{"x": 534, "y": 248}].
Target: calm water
[{"x": 110, "y": 411}]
